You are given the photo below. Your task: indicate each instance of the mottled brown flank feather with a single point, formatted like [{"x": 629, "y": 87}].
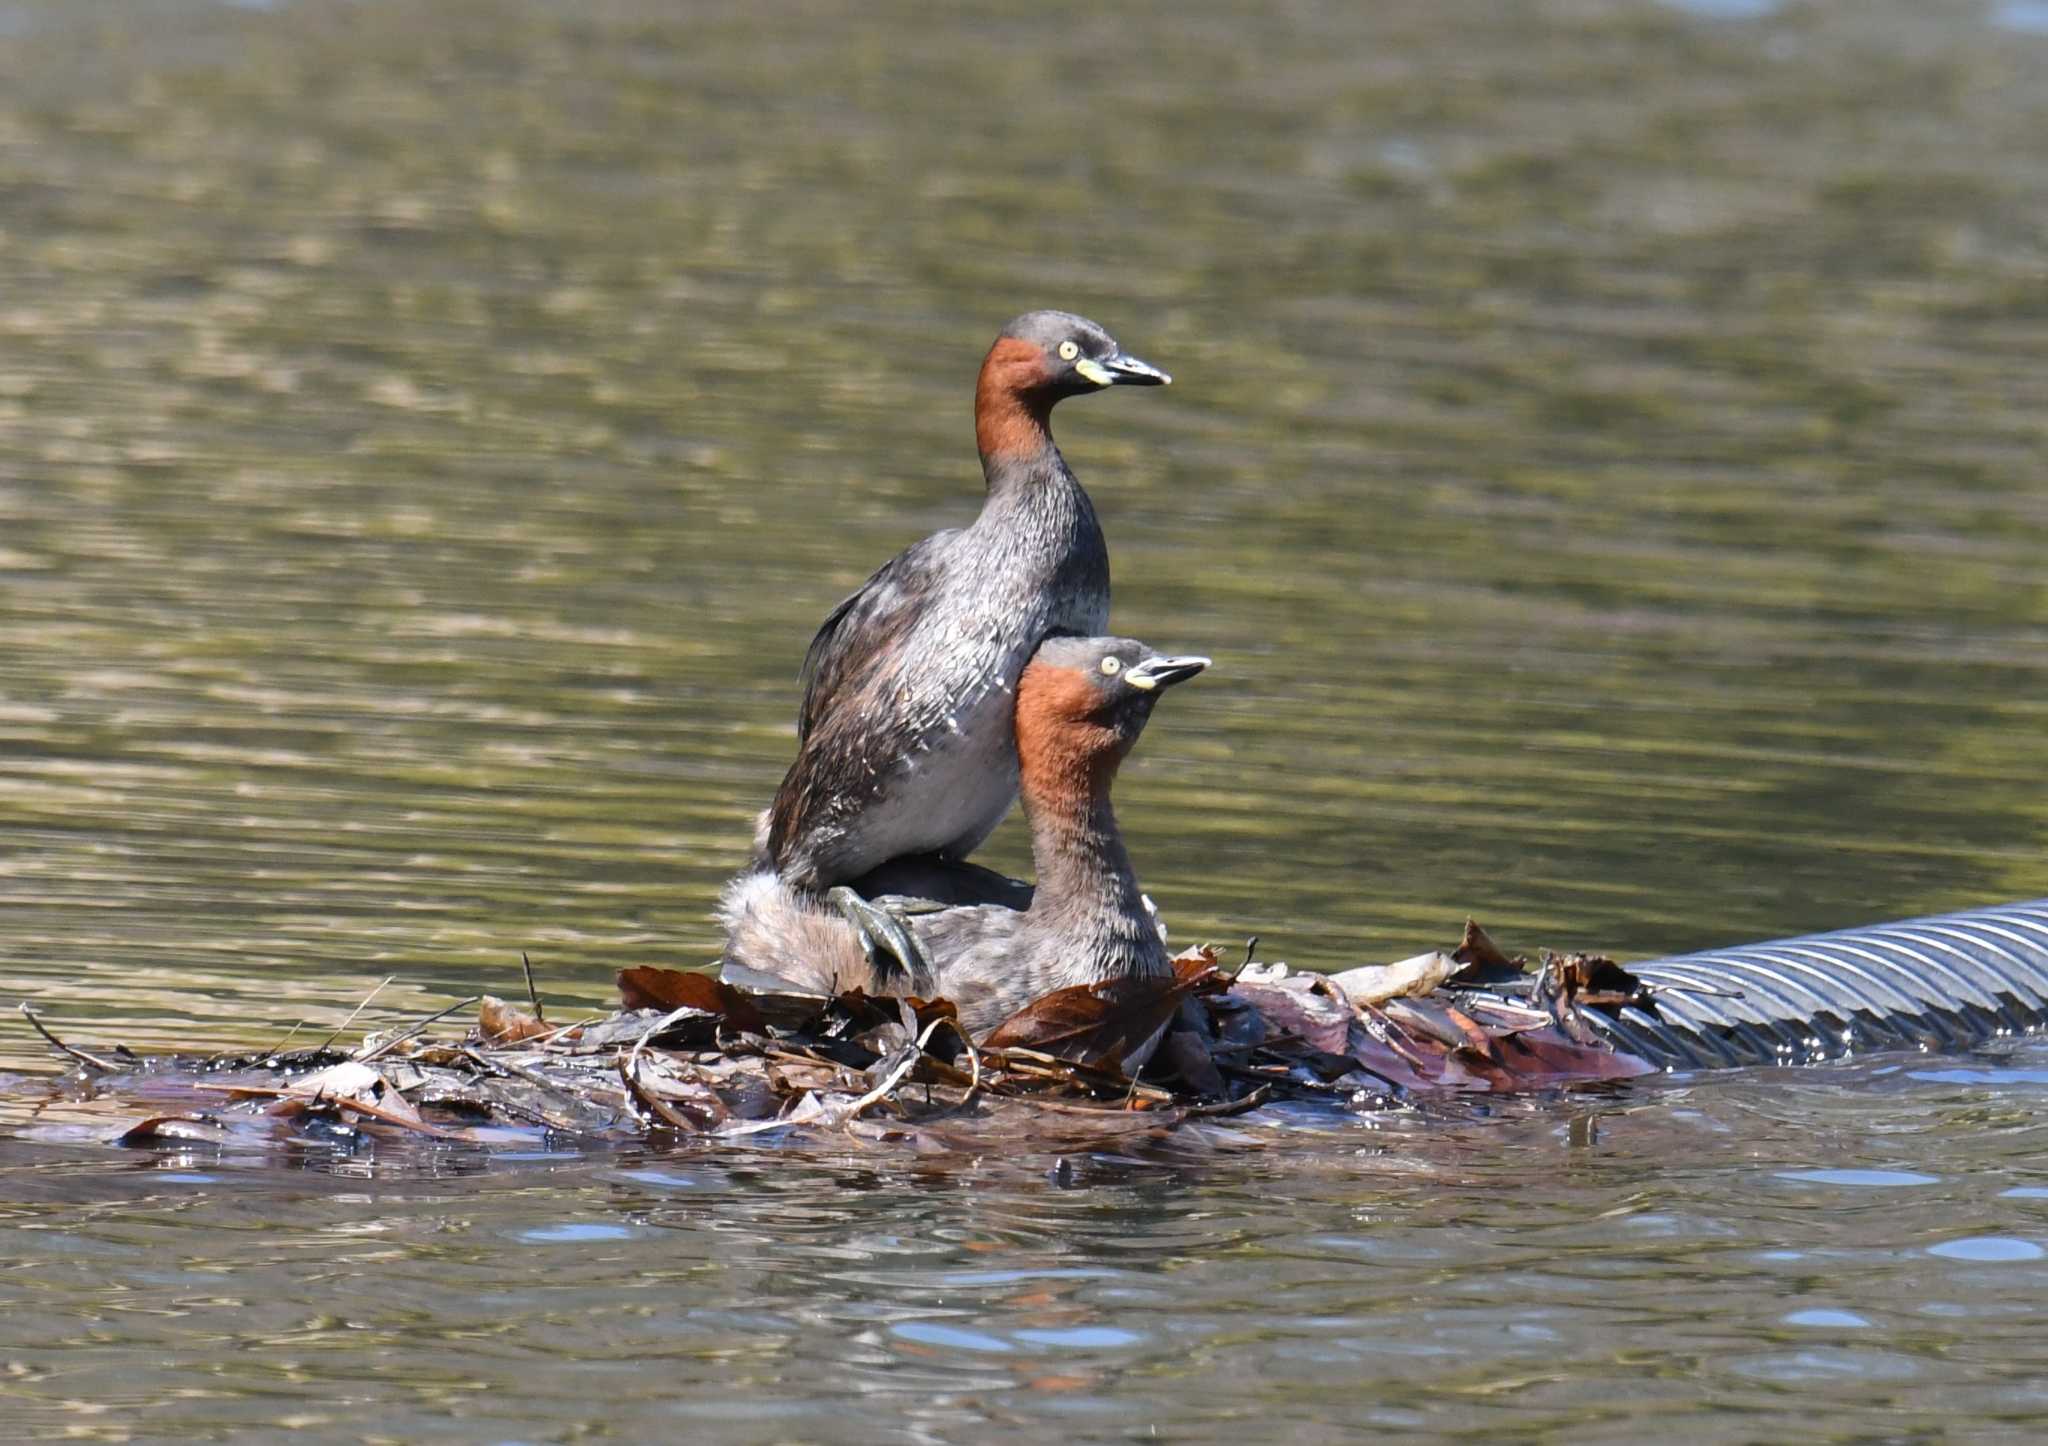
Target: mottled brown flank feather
[{"x": 1010, "y": 405}]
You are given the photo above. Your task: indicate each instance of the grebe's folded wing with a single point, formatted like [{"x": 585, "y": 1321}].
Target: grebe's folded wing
[{"x": 880, "y": 612}]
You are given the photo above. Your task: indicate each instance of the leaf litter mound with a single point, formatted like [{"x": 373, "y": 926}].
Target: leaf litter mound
[{"x": 688, "y": 1056}]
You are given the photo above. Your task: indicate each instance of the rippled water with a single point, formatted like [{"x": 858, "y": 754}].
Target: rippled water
[
  {"x": 1827, "y": 1253},
  {"x": 1604, "y": 459}
]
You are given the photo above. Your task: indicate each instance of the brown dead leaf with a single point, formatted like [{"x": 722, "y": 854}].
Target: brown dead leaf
[
  {"x": 1485, "y": 961},
  {"x": 499, "y": 1023},
  {"x": 1477, "y": 947},
  {"x": 1196, "y": 968},
  {"x": 864, "y": 1011},
  {"x": 1115, "y": 1024},
  {"x": 1476, "y": 1039},
  {"x": 648, "y": 987},
  {"x": 165, "y": 1129}
]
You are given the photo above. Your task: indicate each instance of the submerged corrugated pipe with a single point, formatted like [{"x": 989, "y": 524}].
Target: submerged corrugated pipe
[{"x": 1945, "y": 982}]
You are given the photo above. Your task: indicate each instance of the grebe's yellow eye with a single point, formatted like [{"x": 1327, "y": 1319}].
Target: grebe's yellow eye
[
  {"x": 1112, "y": 666},
  {"x": 1069, "y": 350}
]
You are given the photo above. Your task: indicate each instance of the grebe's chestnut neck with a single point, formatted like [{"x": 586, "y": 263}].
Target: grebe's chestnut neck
[{"x": 1038, "y": 359}]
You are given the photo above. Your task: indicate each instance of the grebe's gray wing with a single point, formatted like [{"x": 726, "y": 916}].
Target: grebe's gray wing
[{"x": 858, "y": 631}]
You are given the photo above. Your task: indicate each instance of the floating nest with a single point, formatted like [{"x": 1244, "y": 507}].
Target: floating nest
[{"x": 688, "y": 1056}]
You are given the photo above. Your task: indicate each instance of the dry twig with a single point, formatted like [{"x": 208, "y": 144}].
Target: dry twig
[
  {"x": 353, "y": 1013},
  {"x": 397, "y": 1039},
  {"x": 59, "y": 1045},
  {"x": 531, "y": 993}
]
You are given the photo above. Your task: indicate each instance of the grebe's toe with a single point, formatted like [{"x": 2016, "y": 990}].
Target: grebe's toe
[{"x": 882, "y": 929}]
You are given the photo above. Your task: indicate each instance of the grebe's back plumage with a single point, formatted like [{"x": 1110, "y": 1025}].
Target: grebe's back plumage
[{"x": 905, "y": 745}]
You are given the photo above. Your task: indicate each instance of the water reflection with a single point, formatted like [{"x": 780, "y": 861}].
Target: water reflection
[{"x": 1422, "y": 1273}]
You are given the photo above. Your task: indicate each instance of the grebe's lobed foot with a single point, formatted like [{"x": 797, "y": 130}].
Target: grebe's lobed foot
[{"x": 881, "y": 928}]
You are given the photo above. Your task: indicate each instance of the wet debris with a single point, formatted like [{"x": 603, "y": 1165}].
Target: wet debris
[
  {"x": 688, "y": 1055},
  {"x": 1588, "y": 981}
]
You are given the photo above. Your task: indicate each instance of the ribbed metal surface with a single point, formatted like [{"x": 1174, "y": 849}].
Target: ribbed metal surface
[{"x": 1943, "y": 982}]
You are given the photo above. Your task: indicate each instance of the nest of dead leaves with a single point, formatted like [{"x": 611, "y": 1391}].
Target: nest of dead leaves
[{"x": 687, "y": 1054}]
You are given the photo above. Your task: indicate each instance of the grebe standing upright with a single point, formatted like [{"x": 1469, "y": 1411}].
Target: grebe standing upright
[
  {"x": 905, "y": 741},
  {"x": 1080, "y": 706}
]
